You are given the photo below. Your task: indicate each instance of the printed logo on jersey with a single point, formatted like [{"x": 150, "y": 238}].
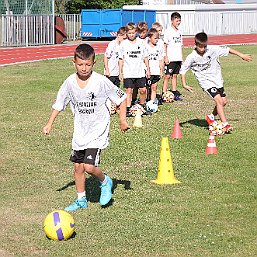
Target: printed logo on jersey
[
  {"x": 120, "y": 93},
  {"x": 213, "y": 90},
  {"x": 89, "y": 106},
  {"x": 202, "y": 66},
  {"x": 135, "y": 54},
  {"x": 177, "y": 39}
]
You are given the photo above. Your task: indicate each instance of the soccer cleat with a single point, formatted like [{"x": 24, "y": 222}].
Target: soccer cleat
[
  {"x": 78, "y": 204},
  {"x": 178, "y": 98},
  {"x": 209, "y": 119},
  {"x": 228, "y": 128},
  {"x": 146, "y": 112},
  {"x": 106, "y": 191}
]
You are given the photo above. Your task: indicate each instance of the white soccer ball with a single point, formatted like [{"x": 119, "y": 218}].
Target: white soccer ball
[
  {"x": 168, "y": 97},
  {"x": 134, "y": 108},
  {"x": 152, "y": 106},
  {"x": 217, "y": 128}
]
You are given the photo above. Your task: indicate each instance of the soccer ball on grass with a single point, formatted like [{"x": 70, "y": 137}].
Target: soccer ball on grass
[
  {"x": 217, "y": 128},
  {"x": 59, "y": 225}
]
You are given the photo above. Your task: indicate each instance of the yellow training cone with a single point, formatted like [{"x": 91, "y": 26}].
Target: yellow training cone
[
  {"x": 165, "y": 171},
  {"x": 138, "y": 120}
]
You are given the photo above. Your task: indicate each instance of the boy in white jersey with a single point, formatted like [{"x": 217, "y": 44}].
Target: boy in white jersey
[
  {"x": 174, "y": 54},
  {"x": 111, "y": 57},
  {"x": 155, "y": 58},
  {"x": 204, "y": 63},
  {"x": 132, "y": 57},
  {"x": 142, "y": 30},
  {"x": 87, "y": 93}
]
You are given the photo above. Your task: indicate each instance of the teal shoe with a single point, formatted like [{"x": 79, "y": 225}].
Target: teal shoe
[
  {"x": 78, "y": 204},
  {"x": 106, "y": 191}
]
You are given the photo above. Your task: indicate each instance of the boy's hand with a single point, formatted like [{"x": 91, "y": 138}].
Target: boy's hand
[
  {"x": 46, "y": 129},
  {"x": 124, "y": 126},
  {"x": 247, "y": 57},
  {"x": 188, "y": 88}
]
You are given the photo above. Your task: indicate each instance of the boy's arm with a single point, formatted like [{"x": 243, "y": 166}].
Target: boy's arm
[
  {"x": 123, "y": 120},
  {"x": 47, "y": 128},
  {"x": 121, "y": 69},
  {"x": 166, "y": 60},
  {"x": 146, "y": 61},
  {"x": 107, "y": 71},
  {"x": 184, "y": 83},
  {"x": 161, "y": 64},
  {"x": 245, "y": 57}
]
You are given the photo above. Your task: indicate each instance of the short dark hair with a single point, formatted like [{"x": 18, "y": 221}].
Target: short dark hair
[
  {"x": 201, "y": 38},
  {"x": 84, "y": 52},
  {"x": 152, "y": 31},
  {"x": 121, "y": 31},
  {"x": 175, "y": 15}
]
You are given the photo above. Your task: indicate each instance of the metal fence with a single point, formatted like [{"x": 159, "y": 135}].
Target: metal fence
[{"x": 32, "y": 30}]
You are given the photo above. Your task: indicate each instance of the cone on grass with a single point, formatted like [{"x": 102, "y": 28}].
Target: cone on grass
[
  {"x": 165, "y": 173},
  {"x": 211, "y": 146},
  {"x": 138, "y": 120},
  {"x": 176, "y": 133}
]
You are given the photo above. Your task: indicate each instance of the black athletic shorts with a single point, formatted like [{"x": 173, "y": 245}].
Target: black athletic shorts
[
  {"x": 172, "y": 68},
  {"x": 115, "y": 80},
  {"x": 87, "y": 156},
  {"x": 216, "y": 91},
  {"x": 153, "y": 79},
  {"x": 134, "y": 82}
]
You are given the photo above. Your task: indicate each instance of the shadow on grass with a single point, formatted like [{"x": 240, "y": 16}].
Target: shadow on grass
[
  {"x": 197, "y": 122},
  {"x": 93, "y": 190}
]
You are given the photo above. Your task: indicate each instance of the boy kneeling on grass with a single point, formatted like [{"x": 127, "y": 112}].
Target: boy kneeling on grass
[
  {"x": 204, "y": 63},
  {"x": 87, "y": 93}
]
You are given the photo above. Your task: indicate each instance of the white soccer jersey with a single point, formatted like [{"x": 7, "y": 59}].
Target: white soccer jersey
[
  {"x": 160, "y": 43},
  {"x": 173, "y": 39},
  {"x": 112, "y": 53},
  {"x": 133, "y": 55},
  {"x": 154, "y": 55},
  {"x": 91, "y": 115},
  {"x": 206, "y": 68}
]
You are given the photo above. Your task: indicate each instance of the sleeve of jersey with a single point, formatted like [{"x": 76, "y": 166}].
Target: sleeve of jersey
[
  {"x": 223, "y": 50},
  {"x": 186, "y": 66},
  {"x": 108, "y": 50},
  {"x": 115, "y": 94},
  {"x": 62, "y": 98}
]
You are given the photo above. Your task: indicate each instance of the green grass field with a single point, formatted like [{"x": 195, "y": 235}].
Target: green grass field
[{"x": 211, "y": 213}]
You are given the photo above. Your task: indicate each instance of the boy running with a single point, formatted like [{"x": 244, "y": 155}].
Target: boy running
[
  {"x": 87, "y": 93},
  {"x": 204, "y": 63}
]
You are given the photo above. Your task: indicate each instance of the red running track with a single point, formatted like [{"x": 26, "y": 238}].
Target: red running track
[{"x": 30, "y": 54}]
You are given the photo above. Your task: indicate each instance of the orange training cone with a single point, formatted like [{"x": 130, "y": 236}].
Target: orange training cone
[
  {"x": 176, "y": 131},
  {"x": 211, "y": 146},
  {"x": 165, "y": 171},
  {"x": 138, "y": 120}
]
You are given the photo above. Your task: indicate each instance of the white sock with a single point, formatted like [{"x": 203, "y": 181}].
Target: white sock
[
  {"x": 81, "y": 195},
  {"x": 105, "y": 180},
  {"x": 225, "y": 124},
  {"x": 211, "y": 116}
]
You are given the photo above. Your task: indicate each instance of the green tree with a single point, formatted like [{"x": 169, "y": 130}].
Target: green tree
[{"x": 75, "y": 6}]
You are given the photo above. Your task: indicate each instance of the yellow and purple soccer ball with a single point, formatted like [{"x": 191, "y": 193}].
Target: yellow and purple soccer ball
[
  {"x": 168, "y": 97},
  {"x": 217, "y": 128},
  {"x": 59, "y": 225}
]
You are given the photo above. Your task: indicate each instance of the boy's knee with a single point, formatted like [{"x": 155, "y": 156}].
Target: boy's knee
[
  {"x": 89, "y": 168},
  {"x": 142, "y": 90}
]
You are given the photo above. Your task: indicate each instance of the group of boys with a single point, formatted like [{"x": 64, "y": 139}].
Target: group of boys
[
  {"x": 139, "y": 60},
  {"x": 139, "y": 57}
]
